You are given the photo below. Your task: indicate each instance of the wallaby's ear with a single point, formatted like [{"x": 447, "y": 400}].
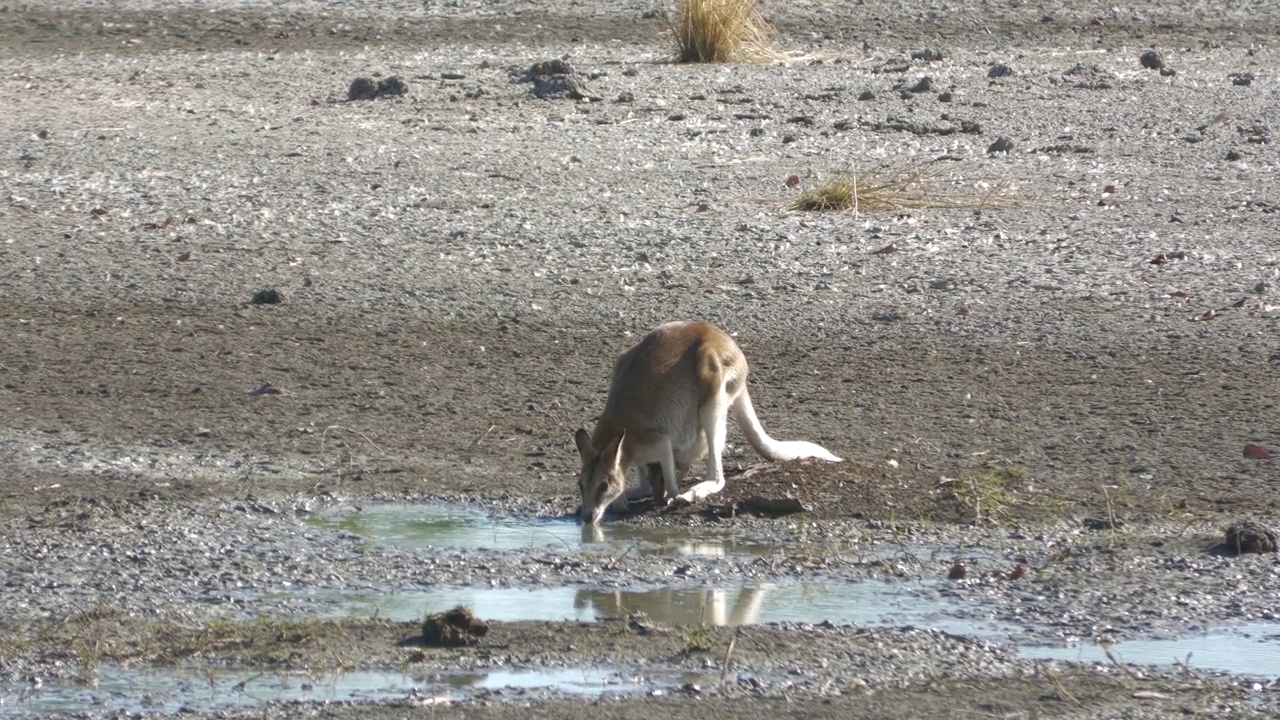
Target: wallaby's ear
[
  {"x": 612, "y": 454},
  {"x": 583, "y": 441}
]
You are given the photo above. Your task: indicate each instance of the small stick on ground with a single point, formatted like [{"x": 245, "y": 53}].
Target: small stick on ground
[
  {"x": 325, "y": 432},
  {"x": 1106, "y": 648},
  {"x": 728, "y": 656},
  {"x": 1062, "y": 689}
]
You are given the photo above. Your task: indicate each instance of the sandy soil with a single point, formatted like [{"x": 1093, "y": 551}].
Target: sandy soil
[{"x": 460, "y": 265}]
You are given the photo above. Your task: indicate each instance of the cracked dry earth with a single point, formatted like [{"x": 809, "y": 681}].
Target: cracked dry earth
[{"x": 1067, "y": 380}]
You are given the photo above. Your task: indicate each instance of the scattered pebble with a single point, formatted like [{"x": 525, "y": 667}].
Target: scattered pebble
[
  {"x": 923, "y": 85},
  {"x": 999, "y": 70},
  {"x": 1001, "y": 145},
  {"x": 362, "y": 88},
  {"x": 392, "y": 85},
  {"x": 1151, "y": 59}
]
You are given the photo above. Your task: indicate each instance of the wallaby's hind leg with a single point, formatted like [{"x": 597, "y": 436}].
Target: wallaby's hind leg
[{"x": 712, "y": 416}]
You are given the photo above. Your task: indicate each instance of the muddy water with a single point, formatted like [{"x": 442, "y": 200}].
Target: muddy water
[
  {"x": 117, "y": 689},
  {"x": 426, "y": 528},
  {"x": 1244, "y": 650},
  {"x": 1252, "y": 649},
  {"x": 435, "y": 528},
  {"x": 863, "y": 603}
]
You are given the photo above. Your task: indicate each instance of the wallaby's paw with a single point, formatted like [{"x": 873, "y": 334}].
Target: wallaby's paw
[
  {"x": 679, "y": 501},
  {"x": 692, "y": 495}
]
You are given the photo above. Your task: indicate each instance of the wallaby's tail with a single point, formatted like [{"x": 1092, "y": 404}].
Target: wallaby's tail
[{"x": 771, "y": 449}]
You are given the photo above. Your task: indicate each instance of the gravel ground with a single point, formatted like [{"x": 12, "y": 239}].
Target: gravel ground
[{"x": 1067, "y": 379}]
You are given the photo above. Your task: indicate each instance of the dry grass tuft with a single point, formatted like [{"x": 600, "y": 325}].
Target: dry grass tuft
[
  {"x": 453, "y": 628},
  {"x": 918, "y": 187},
  {"x": 722, "y": 31}
]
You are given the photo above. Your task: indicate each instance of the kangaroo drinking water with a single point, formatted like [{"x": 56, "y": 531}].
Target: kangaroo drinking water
[{"x": 669, "y": 402}]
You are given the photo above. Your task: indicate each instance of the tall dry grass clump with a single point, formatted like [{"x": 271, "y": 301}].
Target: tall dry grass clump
[
  {"x": 721, "y": 31},
  {"x": 918, "y": 187}
]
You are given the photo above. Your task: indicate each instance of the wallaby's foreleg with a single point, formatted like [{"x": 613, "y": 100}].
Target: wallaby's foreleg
[{"x": 652, "y": 484}]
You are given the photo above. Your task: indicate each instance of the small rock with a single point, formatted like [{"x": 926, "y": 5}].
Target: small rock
[
  {"x": 391, "y": 86},
  {"x": 923, "y": 85},
  {"x": 1243, "y": 79},
  {"x": 1254, "y": 451},
  {"x": 945, "y": 96},
  {"x": 362, "y": 88},
  {"x": 1102, "y": 523},
  {"x": 1151, "y": 59},
  {"x": 927, "y": 54},
  {"x": 866, "y": 95},
  {"x": 957, "y": 571},
  {"x": 1002, "y": 144},
  {"x": 1167, "y": 72},
  {"x": 1233, "y": 156},
  {"x": 452, "y": 76},
  {"x": 267, "y": 296},
  {"x": 1248, "y": 536},
  {"x": 999, "y": 70}
]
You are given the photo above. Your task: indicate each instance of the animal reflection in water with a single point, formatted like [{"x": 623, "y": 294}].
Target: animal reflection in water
[
  {"x": 671, "y": 606},
  {"x": 668, "y": 543}
]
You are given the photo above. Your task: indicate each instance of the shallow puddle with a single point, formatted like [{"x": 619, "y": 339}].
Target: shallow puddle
[
  {"x": 1246, "y": 650},
  {"x": 117, "y": 689},
  {"x": 437, "y": 527},
  {"x": 869, "y": 603}
]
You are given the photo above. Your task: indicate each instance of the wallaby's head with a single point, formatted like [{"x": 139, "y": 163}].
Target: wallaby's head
[{"x": 603, "y": 479}]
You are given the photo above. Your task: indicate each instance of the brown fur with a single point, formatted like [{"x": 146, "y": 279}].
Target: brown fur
[{"x": 668, "y": 403}]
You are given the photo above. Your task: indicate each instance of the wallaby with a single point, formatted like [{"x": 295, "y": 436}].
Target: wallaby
[{"x": 669, "y": 401}]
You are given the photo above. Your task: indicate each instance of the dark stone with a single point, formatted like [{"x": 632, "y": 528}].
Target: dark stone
[
  {"x": 362, "y": 88},
  {"x": 999, "y": 70},
  {"x": 392, "y": 85},
  {"x": 1152, "y": 59},
  {"x": 1103, "y": 523},
  {"x": 267, "y": 296},
  {"x": 1248, "y": 536},
  {"x": 923, "y": 85},
  {"x": 1002, "y": 144}
]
